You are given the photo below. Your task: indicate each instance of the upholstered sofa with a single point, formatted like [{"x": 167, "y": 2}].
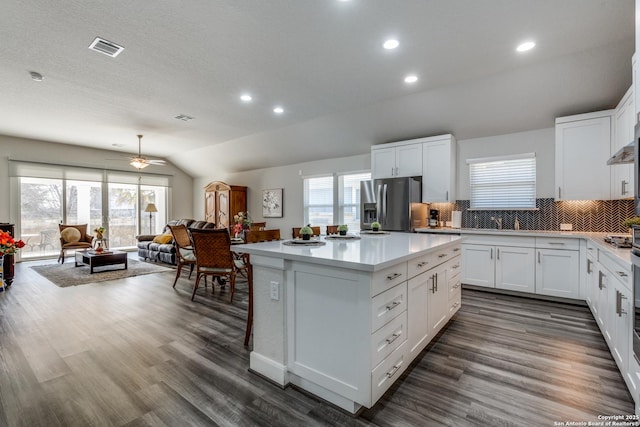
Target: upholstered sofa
[{"x": 160, "y": 247}]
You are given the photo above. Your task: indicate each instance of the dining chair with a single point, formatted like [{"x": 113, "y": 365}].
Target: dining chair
[
  {"x": 296, "y": 231},
  {"x": 214, "y": 258},
  {"x": 332, "y": 229},
  {"x": 255, "y": 236},
  {"x": 257, "y": 226},
  {"x": 184, "y": 249}
]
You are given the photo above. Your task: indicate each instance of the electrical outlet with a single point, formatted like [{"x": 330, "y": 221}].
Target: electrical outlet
[
  {"x": 566, "y": 227},
  {"x": 275, "y": 291}
]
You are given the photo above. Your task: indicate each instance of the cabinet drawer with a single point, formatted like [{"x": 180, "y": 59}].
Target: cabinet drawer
[
  {"x": 419, "y": 265},
  {"x": 388, "y": 278},
  {"x": 388, "y": 338},
  {"x": 557, "y": 243},
  {"x": 454, "y": 305},
  {"x": 455, "y": 287},
  {"x": 388, "y": 305},
  {"x": 388, "y": 371},
  {"x": 444, "y": 255},
  {"x": 453, "y": 267},
  {"x": 618, "y": 269}
]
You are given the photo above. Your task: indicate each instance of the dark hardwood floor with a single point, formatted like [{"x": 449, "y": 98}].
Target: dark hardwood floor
[{"x": 136, "y": 352}]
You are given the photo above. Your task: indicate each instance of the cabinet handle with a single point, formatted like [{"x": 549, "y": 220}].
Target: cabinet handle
[
  {"x": 422, "y": 264},
  {"x": 393, "y": 305},
  {"x": 624, "y": 187},
  {"x": 556, "y": 243},
  {"x": 498, "y": 253},
  {"x": 491, "y": 254},
  {"x": 621, "y": 310},
  {"x": 456, "y": 249},
  {"x": 393, "y": 371},
  {"x": 455, "y": 267},
  {"x": 393, "y": 338},
  {"x": 621, "y": 273},
  {"x": 589, "y": 263},
  {"x": 456, "y": 286},
  {"x": 538, "y": 257},
  {"x": 433, "y": 284},
  {"x": 394, "y": 276},
  {"x": 618, "y": 303},
  {"x": 447, "y": 196},
  {"x": 442, "y": 255},
  {"x": 435, "y": 276},
  {"x": 559, "y": 193},
  {"x": 600, "y": 281},
  {"x": 456, "y": 304}
]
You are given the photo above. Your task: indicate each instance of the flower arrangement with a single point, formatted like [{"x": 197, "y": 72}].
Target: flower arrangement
[
  {"x": 8, "y": 245},
  {"x": 375, "y": 226},
  {"x": 242, "y": 222},
  {"x": 631, "y": 221},
  {"x": 342, "y": 229},
  {"x": 99, "y": 232}
]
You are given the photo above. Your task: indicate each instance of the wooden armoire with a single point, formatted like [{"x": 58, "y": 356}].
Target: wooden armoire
[{"x": 222, "y": 201}]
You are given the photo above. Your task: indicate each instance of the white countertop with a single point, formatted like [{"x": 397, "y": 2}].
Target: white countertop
[{"x": 369, "y": 253}]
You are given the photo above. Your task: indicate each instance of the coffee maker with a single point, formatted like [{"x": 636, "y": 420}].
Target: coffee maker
[{"x": 434, "y": 217}]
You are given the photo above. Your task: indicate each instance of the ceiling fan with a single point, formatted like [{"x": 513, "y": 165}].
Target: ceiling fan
[{"x": 140, "y": 162}]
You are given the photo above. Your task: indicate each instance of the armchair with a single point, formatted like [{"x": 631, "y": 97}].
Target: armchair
[{"x": 73, "y": 237}]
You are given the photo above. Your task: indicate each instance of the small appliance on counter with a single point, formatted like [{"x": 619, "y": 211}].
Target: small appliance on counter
[
  {"x": 456, "y": 219},
  {"x": 434, "y": 218}
]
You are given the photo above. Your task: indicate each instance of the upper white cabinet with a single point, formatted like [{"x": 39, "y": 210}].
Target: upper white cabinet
[
  {"x": 396, "y": 159},
  {"x": 433, "y": 158},
  {"x": 623, "y": 130},
  {"x": 439, "y": 169},
  {"x": 583, "y": 144}
]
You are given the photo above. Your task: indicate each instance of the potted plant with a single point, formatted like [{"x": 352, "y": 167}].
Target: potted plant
[
  {"x": 306, "y": 232},
  {"x": 342, "y": 229},
  {"x": 635, "y": 220},
  {"x": 375, "y": 226}
]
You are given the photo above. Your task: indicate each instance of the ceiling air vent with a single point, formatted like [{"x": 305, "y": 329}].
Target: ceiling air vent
[
  {"x": 106, "y": 47},
  {"x": 183, "y": 117}
]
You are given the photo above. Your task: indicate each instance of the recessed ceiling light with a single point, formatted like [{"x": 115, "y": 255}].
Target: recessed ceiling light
[
  {"x": 391, "y": 44},
  {"x": 246, "y": 97},
  {"x": 36, "y": 77},
  {"x": 523, "y": 47},
  {"x": 278, "y": 110},
  {"x": 412, "y": 78},
  {"x": 118, "y": 145}
]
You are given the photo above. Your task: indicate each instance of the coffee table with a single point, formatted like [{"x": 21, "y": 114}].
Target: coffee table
[{"x": 93, "y": 259}]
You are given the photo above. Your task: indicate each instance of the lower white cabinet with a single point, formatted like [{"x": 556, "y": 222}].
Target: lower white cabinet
[
  {"x": 438, "y": 308},
  {"x": 558, "y": 273},
  {"x": 500, "y": 267},
  {"x": 478, "y": 266}
]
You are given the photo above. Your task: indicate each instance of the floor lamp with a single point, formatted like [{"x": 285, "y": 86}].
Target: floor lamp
[{"x": 151, "y": 208}]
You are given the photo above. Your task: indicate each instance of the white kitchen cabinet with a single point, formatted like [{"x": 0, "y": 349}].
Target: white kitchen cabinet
[
  {"x": 418, "y": 309},
  {"x": 501, "y": 267},
  {"x": 583, "y": 144},
  {"x": 396, "y": 159},
  {"x": 557, "y": 273},
  {"x": 438, "y": 308},
  {"x": 622, "y": 183},
  {"x": 439, "y": 170},
  {"x": 591, "y": 277}
]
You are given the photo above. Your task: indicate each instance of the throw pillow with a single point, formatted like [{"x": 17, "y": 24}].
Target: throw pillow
[
  {"x": 163, "y": 239},
  {"x": 70, "y": 235}
]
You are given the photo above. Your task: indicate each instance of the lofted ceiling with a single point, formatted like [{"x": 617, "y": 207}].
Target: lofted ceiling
[{"x": 321, "y": 60}]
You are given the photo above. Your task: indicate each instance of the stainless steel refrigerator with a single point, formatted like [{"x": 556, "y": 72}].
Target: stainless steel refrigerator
[{"x": 398, "y": 203}]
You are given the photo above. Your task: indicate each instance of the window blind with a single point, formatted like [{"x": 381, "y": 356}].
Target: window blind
[
  {"x": 318, "y": 200},
  {"x": 503, "y": 183}
]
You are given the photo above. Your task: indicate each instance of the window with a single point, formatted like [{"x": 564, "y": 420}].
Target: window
[
  {"x": 51, "y": 194},
  {"x": 333, "y": 199},
  {"x": 507, "y": 182}
]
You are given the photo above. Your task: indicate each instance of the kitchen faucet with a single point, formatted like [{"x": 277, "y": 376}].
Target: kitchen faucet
[{"x": 498, "y": 222}]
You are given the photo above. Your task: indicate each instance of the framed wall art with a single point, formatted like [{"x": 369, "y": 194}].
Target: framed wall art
[{"x": 272, "y": 203}]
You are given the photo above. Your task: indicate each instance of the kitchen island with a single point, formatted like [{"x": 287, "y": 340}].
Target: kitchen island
[{"x": 344, "y": 318}]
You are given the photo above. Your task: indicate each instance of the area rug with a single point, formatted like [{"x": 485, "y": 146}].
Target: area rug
[{"x": 64, "y": 275}]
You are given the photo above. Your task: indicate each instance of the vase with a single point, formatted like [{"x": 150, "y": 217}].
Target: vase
[
  {"x": 306, "y": 236},
  {"x": 2, "y": 286},
  {"x": 99, "y": 235}
]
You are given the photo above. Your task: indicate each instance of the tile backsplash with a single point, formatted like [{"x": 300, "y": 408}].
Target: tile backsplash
[{"x": 584, "y": 215}]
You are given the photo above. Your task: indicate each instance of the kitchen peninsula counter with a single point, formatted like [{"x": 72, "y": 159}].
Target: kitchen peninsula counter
[{"x": 344, "y": 319}]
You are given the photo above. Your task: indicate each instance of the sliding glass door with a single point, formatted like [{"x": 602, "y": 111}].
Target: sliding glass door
[
  {"x": 40, "y": 214},
  {"x": 123, "y": 208}
]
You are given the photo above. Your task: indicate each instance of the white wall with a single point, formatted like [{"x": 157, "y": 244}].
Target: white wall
[
  {"x": 287, "y": 177},
  {"x": 541, "y": 141},
  {"x": 181, "y": 196}
]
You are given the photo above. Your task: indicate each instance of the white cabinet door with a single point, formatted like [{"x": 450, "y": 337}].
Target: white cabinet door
[
  {"x": 438, "y": 312},
  {"x": 438, "y": 171},
  {"x": 582, "y": 150},
  {"x": 478, "y": 265},
  {"x": 515, "y": 269},
  {"x": 557, "y": 273},
  {"x": 417, "y": 307},
  {"x": 383, "y": 162},
  {"x": 623, "y": 130},
  {"x": 409, "y": 160}
]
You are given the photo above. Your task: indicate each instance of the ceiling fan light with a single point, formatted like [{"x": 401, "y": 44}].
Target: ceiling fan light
[{"x": 138, "y": 164}]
